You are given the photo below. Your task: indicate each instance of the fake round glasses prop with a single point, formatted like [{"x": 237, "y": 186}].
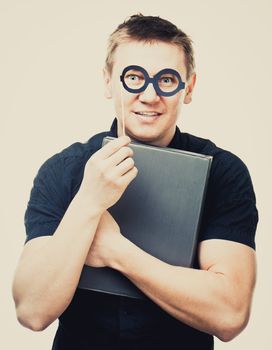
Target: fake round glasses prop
[{"x": 166, "y": 82}]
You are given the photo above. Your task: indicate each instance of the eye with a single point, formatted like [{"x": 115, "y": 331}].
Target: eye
[
  {"x": 132, "y": 77},
  {"x": 167, "y": 80}
]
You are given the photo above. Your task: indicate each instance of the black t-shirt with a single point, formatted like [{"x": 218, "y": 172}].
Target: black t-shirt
[{"x": 96, "y": 320}]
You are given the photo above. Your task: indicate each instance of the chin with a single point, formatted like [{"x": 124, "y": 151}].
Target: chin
[{"x": 144, "y": 137}]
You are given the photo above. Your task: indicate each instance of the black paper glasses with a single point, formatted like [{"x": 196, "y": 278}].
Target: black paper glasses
[{"x": 166, "y": 82}]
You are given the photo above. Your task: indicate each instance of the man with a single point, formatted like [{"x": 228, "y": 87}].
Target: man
[{"x": 149, "y": 74}]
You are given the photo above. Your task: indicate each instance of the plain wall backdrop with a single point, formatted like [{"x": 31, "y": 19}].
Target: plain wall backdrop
[{"x": 51, "y": 90}]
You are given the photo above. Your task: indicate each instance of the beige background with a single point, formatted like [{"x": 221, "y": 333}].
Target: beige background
[{"x": 52, "y": 55}]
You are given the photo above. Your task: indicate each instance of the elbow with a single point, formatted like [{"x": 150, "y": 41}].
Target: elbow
[
  {"x": 229, "y": 327},
  {"x": 32, "y": 320}
]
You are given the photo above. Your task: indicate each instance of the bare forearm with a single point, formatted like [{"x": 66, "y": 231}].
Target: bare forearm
[
  {"x": 45, "y": 284},
  {"x": 199, "y": 298}
]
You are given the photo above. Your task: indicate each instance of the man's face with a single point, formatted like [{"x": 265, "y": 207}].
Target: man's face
[{"x": 148, "y": 117}]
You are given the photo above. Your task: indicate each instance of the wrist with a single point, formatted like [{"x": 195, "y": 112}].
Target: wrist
[
  {"x": 122, "y": 251},
  {"x": 87, "y": 206}
]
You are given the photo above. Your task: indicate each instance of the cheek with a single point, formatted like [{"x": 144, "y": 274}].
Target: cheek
[
  {"x": 174, "y": 103},
  {"x": 128, "y": 99},
  {"x": 123, "y": 100}
]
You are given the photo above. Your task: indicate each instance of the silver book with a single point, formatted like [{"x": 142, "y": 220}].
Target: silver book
[{"x": 160, "y": 212}]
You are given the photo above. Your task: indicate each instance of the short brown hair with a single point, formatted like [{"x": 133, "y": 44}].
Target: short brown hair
[{"x": 149, "y": 29}]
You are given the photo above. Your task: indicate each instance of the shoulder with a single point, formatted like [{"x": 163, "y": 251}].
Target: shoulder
[
  {"x": 76, "y": 154},
  {"x": 84, "y": 150},
  {"x": 225, "y": 165},
  {"x": 230, "y": 211},
  {"x": 63, "y": 172}
]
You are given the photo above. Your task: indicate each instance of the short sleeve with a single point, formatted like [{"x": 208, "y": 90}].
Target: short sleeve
[
  {"x": 45, "y": 207},
  {"x": 230, "y": 211}
]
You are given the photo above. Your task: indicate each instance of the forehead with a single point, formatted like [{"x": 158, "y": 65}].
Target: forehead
[{"x": 153, "y": 57}]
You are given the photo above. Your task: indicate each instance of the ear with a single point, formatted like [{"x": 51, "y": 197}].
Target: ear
[
  {"x": 189, "y": 88},
  {"x": 107, "y": 84}
]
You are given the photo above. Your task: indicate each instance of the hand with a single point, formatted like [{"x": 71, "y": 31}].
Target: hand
[
  {"x": 107, "y": 173},
  {"x": 105, "y": 239}
]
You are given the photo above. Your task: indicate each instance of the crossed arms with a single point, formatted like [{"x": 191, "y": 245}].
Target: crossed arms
[{"x": 215, "y": 299}]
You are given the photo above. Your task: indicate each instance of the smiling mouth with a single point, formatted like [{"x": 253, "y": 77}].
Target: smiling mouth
[{"x": 148, "y": 114}]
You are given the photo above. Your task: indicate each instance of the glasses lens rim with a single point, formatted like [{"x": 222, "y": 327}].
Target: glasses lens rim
[
  {"x": 134, "y": 79},
  {"x": 157, "y": 77},
  {"x": 140, "y": 69}
]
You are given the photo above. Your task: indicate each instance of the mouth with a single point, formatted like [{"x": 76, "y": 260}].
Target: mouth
[{"x": 148, "y": 116}]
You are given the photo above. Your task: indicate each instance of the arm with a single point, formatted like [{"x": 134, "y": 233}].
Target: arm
[
  {"x": 215, "y": 299},
  {"x": 49, "y": 268}
]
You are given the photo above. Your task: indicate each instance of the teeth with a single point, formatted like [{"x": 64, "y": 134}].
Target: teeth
[{"x": 150, "y": 114}]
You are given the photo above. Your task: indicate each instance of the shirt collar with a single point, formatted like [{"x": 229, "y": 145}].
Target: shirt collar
[
  {"x": 113, "y": 129},
  {"x": 174, "y": 143}
]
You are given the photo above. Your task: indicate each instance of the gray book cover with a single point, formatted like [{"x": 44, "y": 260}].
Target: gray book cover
[{"x": 160, "y": 212}]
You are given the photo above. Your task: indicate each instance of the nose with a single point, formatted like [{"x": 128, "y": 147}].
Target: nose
[{"x": 149, "y": 95}]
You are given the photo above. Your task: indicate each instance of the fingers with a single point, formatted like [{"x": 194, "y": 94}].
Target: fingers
[
  {"x": 119, "y": 156},
  {"x": 123, "y": 167},
  {"x": 112, "y": 147},
  {"x": 115, "y": 159},
  {"x": 121, "y": 162},
  {"x": 128, "y": 177}
]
